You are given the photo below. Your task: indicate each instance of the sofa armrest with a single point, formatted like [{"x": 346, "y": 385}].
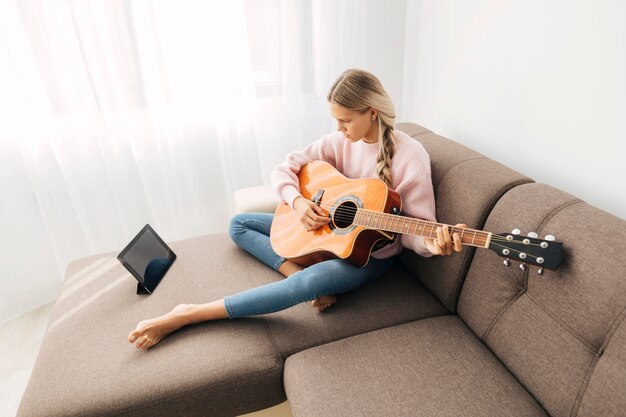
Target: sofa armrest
[{"x": 261, "y": 199}]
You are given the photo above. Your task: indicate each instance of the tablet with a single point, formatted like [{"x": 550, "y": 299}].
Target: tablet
[{"x": 147, "y": 258}]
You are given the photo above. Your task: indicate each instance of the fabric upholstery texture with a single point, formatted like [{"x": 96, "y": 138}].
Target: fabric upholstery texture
[
  {"x": 467, "y": 186},
  {"x": 551, "y": 329},
  {"x": 606, "y": 389},
  {"x": 427, "y": 368},
  {"x": 218, "y": 366},
  {"x": 87, "y": 367},
  {"x": 522, "y": 344},
  {"x": 396, "y": 297}
]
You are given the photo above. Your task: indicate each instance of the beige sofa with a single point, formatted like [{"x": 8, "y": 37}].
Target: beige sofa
[{"x": 445, "y": 336}]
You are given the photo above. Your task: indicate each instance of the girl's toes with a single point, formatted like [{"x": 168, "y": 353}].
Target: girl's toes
[
  {"x": 132, "y": 337},
  {"x": 141, "y": 341}
]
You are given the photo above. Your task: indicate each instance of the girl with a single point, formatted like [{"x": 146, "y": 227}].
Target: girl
[{"x": 365, "y": 146}]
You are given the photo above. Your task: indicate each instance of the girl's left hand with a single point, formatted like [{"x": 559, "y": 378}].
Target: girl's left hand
[{"x": 443, "y": 244}]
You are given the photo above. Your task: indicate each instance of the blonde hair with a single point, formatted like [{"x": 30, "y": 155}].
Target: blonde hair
[{"x": 360, "y": 90}]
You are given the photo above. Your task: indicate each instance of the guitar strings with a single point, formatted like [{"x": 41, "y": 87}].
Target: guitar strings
[
  {"x": 518, "y": 251},
  {"x": 408, "y": 222},
  {"x": 348, "y": 214},
  {"x": 480, "y": 234},
  {"x": 495, "y": 238}
]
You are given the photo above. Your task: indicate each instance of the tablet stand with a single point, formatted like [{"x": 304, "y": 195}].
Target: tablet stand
[{"x": 141, "y": 289}]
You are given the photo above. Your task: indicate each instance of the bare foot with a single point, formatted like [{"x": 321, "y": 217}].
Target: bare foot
[
  {"x": 150, "y": 332},
  {"x": 324, "y": 302}
]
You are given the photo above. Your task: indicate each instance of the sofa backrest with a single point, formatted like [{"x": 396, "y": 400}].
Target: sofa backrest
[
  {"x": 467, "y": 185},
  {"x": 562, "y": 334}
]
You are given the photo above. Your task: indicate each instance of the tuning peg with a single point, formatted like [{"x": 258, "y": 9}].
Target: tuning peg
[
  {"x": 516, "y": 231},
  {"x": 540, "y": 271},
  {"x": 533, "y": 235},
  {"x": 522, "y": 267},
  {"x": 550, "y": 238},
  {"x": 507, "y": 262}
]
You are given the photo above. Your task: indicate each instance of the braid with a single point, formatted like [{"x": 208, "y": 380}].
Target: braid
[{"x": 387, "y": 148}]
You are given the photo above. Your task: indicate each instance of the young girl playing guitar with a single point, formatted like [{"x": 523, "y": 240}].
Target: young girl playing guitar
[{"x": 365, "y": 146}]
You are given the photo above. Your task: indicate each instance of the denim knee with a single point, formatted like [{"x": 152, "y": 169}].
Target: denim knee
[
  {"x": 317, "y": 283},
  {"x": 236, "y": 227}
]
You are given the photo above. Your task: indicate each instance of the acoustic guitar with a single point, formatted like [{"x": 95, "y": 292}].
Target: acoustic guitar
[{"x": 365, "y": 214}]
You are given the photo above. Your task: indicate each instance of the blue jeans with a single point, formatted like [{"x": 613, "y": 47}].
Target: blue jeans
[{"x": 251, "y": 232}]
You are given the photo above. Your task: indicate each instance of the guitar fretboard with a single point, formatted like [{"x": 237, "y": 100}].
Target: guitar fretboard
[{"x": 409, "y": 226}]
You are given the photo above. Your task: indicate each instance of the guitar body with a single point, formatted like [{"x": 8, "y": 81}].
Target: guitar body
[
  {"x": 366, "y": 212},
  {"x": 340, "y": 238}
]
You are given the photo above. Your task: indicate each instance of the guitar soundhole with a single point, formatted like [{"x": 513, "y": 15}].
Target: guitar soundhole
[{"x": 344, "y": 214}]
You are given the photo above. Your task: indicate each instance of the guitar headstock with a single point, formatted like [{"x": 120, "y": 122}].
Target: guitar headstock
[{"x": 544, "y": 253}]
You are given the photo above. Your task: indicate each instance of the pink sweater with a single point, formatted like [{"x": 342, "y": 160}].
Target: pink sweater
[{"x": 410, "y": 174}]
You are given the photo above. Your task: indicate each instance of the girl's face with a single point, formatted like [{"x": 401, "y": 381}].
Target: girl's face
[{"x": 354, "y": 125}]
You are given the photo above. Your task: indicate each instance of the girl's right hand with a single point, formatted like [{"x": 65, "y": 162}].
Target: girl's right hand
[{"x": 311, "y": 215}]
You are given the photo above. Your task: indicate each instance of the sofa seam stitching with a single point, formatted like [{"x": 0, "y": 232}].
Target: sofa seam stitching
[
  {"x": 456, "y": 290},
  {"x": 580, "y": 338},
  {"x": 556, "y": 211},
  {"x": 460, "y": 279},
  {"x": 503, "y": 310},
  {"x": 616, "y": 324},
  {"x": 545, "y": 221},
  {"x": 449, "y": 304},
  {"x": 443, "y": 314},
  {"x": 592, "y": 366},
  {"x": 584, "y": 384},
  {"x": 277, "y": 351}
]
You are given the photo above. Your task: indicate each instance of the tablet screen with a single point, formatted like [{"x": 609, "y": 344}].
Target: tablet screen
[{"x": 147, "y": 257}]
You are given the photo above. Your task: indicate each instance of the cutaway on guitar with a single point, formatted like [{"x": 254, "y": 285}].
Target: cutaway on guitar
[{"x": 365, "y": 213}]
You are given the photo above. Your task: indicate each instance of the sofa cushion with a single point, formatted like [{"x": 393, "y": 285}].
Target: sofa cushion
[
  {"x": 551, "y": 330},
  {"x": 396, "y": 297},
  {"x": 219, "y": 368},
  {"x": 467, "y": 186},
  {"x": 87, "y": 367},
  {"x": 259, "y": 199},
  {"x": 431, "y": 367}
]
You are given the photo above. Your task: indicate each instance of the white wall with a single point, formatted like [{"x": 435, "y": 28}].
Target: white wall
[
  {"x": 537, "y": 85},
  {"x": 386, "y": 45}
]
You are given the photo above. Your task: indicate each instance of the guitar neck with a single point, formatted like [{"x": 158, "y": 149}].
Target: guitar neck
[{"x": 409, "y": 226}]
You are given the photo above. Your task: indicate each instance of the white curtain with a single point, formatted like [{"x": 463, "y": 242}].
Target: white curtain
[{"x": 114, "y": 114}]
